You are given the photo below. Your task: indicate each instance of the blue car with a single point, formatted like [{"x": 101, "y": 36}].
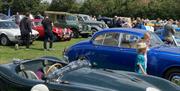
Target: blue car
[{"x": 114, "y": 48}]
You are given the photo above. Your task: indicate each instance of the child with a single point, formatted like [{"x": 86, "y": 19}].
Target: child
[{"x": 140, "y": 65}]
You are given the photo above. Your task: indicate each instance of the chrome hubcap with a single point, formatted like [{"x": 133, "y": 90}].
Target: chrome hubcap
[{"x": 176, "y": 79}]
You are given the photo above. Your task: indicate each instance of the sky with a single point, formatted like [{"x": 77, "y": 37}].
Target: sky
[{"x": 48, "y": 0}]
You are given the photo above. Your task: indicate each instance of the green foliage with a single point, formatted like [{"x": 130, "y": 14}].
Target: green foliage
[
  {"x": 133, "y": 8},
  {"x": 63, "y": 5},
  {"x": 32, "y": 6}
]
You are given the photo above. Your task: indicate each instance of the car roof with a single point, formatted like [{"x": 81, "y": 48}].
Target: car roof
[
  {"x": 5, "y": 20},
  {"x": 134, "y": 31}
]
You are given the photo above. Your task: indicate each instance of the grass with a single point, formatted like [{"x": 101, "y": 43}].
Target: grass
[{"x": 7, "y": 53}]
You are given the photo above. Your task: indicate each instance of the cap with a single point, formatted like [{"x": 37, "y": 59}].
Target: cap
[{"x": 40, "y": 87}]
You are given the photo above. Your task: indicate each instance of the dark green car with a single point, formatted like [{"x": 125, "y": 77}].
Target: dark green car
[{"x": 22, "y": 75}]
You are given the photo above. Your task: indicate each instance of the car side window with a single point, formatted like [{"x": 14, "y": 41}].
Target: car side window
[
  {"x": 111, "y": 39},
  {"x": 107, "y": 39},
  {"x": 128, "y": 40},
  {"x": 99, "y": 39}
]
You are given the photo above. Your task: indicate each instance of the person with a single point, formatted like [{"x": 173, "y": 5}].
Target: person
[
  {"x": 146, "y": 39},
  {"x": 114, "y": 21},
  {"x": 139, "y": 24},
  {"x": 140, "y": 65},
  {"x": 47, "y": 25},
  {"x": 26, "y": 30},
  {"x": 40, "y": 87},
  {"x": 168, "y": 32},
  {"x": 17, "y": 18},
  {"x": 46, "y": 69}
]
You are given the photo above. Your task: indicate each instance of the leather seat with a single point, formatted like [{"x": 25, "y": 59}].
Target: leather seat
[{"x": 27, "y": 73}]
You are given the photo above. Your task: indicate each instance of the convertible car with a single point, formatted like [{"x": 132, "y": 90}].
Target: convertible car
[
  {"x": 115, "y": 48},
  {"x": 78, "y": 75}
]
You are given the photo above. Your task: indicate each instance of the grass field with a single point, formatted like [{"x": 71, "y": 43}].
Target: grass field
[{"x": 7, "y": 53}]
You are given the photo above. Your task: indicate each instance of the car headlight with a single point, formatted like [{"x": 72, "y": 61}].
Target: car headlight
[
  {"x": 56, "y": 29},
  {"x": 80, "y": 26},
  {"x": 18, "y": 37},
  {"x": 152, "y": 89}
]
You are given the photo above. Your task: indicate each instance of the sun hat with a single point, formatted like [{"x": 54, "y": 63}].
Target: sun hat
[
  {"x": 40, "y": 87},
  {"x": 141, "y": 45}
]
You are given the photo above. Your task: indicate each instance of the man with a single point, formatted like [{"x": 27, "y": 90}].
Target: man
[
  {"x": 26, "y": 30},
  {"x": 47, "y": 25},
  {"x": 168, "y": 32}
]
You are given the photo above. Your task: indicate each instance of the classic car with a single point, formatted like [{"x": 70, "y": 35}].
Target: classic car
[
  {"x": 13, "y": 17},
  {"x": 22, "y": 75},
  {"x": 68, "y": 20},
  {"x": 176, "y": 37},
  {"x": 59, "y": 33},
  {"x": 10, "y": 33},
  {"x": 114, "y": 48},
  {"x": 3, "y": 16},
  {"x": 95, "y": 25},
  {"x": 107, "y": 20}
]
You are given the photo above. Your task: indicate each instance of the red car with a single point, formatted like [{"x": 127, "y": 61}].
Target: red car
[{"x": 59, "y": 33}]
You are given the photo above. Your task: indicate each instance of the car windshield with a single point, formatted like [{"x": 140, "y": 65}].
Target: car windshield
[
  {"x": 155, "y": 40},
  {"x": 37, "y": 23},
  {"x": 8, "y": 25},
  {"x": 71, "y": 18},
  {"x": 70, "y": 67},
  {"x": 87, "y": 18}
]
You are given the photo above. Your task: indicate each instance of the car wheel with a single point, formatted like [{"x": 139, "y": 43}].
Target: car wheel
[
  {"x": 4, "y": 40},
  {"x": 55, "y": 38},
  {"x": 85, "y": 35},
  {"x": 173, "y": 75},
  {"x": 69, "y": 39},
  {"x": 75, "y": 33}
]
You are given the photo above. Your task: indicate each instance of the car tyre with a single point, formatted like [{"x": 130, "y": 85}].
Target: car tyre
[
  {"x": 4, "y": 40},
  {"x": 173, "y": 75},
  {"x": 75, "y": 33},
  {"x": 85, "y": 35}
]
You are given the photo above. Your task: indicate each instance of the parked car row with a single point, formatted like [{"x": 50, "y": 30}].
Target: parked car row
[
  {"x": 59, "y": 33},
  {"x": 114, "y": 48},
  {"x": 21, "y": 75}
]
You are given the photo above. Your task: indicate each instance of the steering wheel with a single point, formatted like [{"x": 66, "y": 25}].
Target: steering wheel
[{"x": 53, "y": 67}]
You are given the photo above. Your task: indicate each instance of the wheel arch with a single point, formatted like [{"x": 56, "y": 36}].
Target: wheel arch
[{"x": 168, "y": 69}]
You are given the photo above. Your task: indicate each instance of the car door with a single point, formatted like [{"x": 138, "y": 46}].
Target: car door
[
  {"x": 111, "y": 52},
  {"x": 105, "y": 50},
  {"x": 127, "y": 51}
]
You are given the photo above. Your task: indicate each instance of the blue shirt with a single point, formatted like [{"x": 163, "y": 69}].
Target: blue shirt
[{"x": 140, "y": 60}]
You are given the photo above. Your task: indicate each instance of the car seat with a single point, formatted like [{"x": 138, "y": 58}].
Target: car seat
[{"x": 26, "y": 73}]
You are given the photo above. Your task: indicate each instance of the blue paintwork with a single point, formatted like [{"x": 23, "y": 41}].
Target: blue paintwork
[{"x": 160, "y": 57}]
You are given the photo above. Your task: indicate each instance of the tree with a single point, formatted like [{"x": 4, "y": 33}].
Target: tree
[
  {"x": 32, "y": 6},
  {"x": 62, "y": 5}
]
